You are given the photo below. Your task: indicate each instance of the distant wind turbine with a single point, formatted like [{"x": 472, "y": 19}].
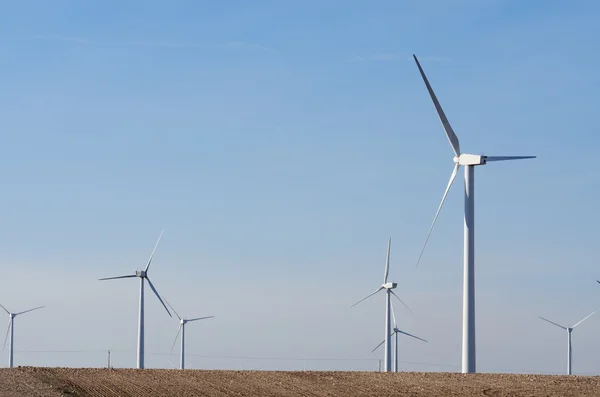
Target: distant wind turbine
[
  {"x": 182, "y": 323},
  {"x": 470, "y": 161},
  {"x": 10, "y": 330},
  {"x": 569, "y": 349},
  {"x": 388, "y": 287},
  {"x": 395, "y": 332},
  {"x": 143, "y": 275}
]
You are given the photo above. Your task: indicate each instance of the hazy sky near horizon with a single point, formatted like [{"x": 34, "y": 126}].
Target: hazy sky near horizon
[{"x": 280, "y": 144}]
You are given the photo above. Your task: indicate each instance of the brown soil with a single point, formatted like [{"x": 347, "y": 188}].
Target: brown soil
[{"x": 52, "y": 382}]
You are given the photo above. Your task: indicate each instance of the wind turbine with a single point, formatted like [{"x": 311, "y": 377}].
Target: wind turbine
[
  {"x": 11, "y": 329},
  {"x": 182, "y": 323},
  {"x": 395, "y": 332},
  {"x": 388, "y": 287},
  {"x": 569, "y": 349},
  {"x": 143, "y": 275},
  {"x": 470, "y": 161}
]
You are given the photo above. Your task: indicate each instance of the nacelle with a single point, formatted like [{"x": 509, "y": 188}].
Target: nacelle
[
  {"x": 390, "y": 285},
  {"x": 471, "y": 159}
]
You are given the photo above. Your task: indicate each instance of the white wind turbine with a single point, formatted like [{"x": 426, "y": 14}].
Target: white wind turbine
[
  {"x": 182, "y": 323},
  {"x": 11, "y": 329},
  {"x": 388, "y": 287},
  {"x": 569, "y": 349},
  {"x": 470, "y": 161},
  {"x": 395, "y": 332},
  {"x": 143, "y": 275}
]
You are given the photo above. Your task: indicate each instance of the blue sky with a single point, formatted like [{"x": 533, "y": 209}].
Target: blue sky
[{"x": 279, "y": 145}]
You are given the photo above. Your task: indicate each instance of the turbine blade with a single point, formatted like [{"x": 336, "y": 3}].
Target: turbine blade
[
  {"x": 397, "y": 297},
  {"x": 412, "y": 336},
  {"x": 366, "y": 297},
  {"x": 172, "y": 308},
  {"x": 7, "y": 331},
  {"x": 176, "y": 336},
  {"x": 551, "y": 322},
  {"x": 199, "y": 318},
  {"x": 7, "y": 312},
  {"x": 30, "y": 310},
  {"x": 114, "y": 278},
  {"x": 393, "y": 315},
  {"x": 580, "y": 321},
  {"x": 158, "y": 296},
  {"x": 387, "y": 262},
  {"x": 504, "y": 158},
  {"x": 452, "y": 138},
  {"x": 154, "y": 250},
  {"x": 377, "y": 347},
  {"x": 450, "y": 182}
]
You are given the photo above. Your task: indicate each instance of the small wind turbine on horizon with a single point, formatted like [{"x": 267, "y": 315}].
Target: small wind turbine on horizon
[
  {"x": 143, "y": 275},
  {"x": 388, "y": 287},
  {"x": 182, "y": 323},
  {"x": 395, "y": 332},
  {"x": 470, "y": 161},
  {"x": 569, "y": 348},
  {"x": 10, "y": 331}
]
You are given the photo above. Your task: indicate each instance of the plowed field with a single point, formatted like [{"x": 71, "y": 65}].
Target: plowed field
[{"x": 52, "y": 382}]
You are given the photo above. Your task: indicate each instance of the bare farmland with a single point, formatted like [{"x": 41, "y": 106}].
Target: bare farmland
[{"x": 52, "y": 382}]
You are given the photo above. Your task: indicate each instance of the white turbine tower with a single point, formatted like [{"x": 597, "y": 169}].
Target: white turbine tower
[
  {"x": 388, "y": 287},
  {"x": 569, "y": 349},
  {"x": 182, "y": 323},
  {"x": 143, "y": 275},
  {"x": 11, "y": 329},
  {"x": 395, "y": 332},
  {"x": 470, "y": 161}
]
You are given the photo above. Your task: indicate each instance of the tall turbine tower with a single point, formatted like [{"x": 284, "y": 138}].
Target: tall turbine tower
[
  {"x": 395, "y": 332},
  {"x": 569, "y": 349},
  {"x": 11, "y": 329},
  {"x": 182, "y": 323},
  {"x": 143, "y": 275},
  {"x": 470, "y": 161},
  {"x": 388, "y": 287}
]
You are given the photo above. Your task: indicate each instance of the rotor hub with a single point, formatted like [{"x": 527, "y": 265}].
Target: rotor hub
[{"x": 140, "y": 273}]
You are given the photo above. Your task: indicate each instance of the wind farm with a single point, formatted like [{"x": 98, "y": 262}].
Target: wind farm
[
  {"x": 247, "y": 166},
  {"x": 86, "y": 383}
]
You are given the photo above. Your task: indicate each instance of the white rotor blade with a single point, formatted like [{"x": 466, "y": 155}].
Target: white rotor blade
[
  {"x": 504, "y": 158},
  {"x": 393, "y": 315},
  {"x": 199, "y": 318},
  {"x": 588, "y": 316},
  {"x": 7, "y": 331},
  {"x": 450, "y": 182},
  {"x": 397, "y": 297},
  {"x": 176, "y": 336},
  {"x": 114, "y": 278},
  {"x": 452, "y": 138},
  {"x": 387, "y": 262},
  {"x": 377, "y": 347},
  {"x": 7, "y": 312},
  {"x": 158, "y": 296},
  {"x": 412, "y": 336},
  {"x": 368, "y": 296},
  {"x": 179, "y": 317},
  {"x": 551, "y": 322},
  {"x": 154, "y": 250},
  {"x": 30, "y": 310}
]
